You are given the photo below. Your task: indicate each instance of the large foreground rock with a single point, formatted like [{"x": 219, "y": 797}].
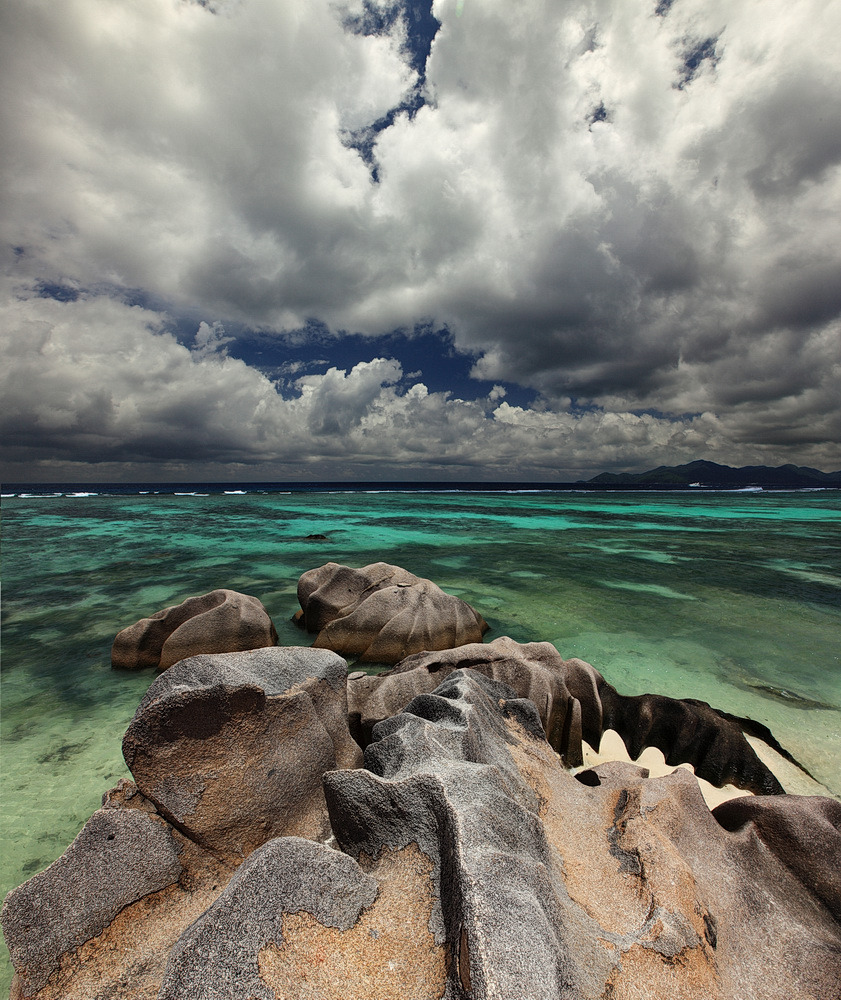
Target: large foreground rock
[
  {"x": 473, "y": 865},
  {"x": 382, "y": 613},
  {"x": 223, "y": 621},
  {"x": 575, "y": 702},
  {"x": 100, "y": 922},
  {"x": 231, "y": 748},
  {"x": 479, "y": 867},
  {"x": 619, "y": 885}
]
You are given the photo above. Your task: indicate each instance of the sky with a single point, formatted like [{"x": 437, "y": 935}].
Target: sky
[{"x": 418, "y": 239}]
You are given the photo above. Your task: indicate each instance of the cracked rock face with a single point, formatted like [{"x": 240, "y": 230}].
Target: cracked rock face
[
  {"x": 473, "y": 864},
  {"x": 382, "y": 613},
  {"x": 223, "y": 621},
  {"x": 231, "y": 748},
  {"x": 620, "y": 885}
]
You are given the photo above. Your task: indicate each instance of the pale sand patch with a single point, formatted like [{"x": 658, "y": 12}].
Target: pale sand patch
[
  {"x": 793, "y": 780},
  {"x": 389, "y": 953},
  {"x": 612, "y": 747}
]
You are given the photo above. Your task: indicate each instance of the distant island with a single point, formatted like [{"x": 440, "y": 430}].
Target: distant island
[{"x": 712, "y": 475}]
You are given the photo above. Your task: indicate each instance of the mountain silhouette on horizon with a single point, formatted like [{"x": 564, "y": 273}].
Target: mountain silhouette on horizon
[{"x": 710, "y": 474}]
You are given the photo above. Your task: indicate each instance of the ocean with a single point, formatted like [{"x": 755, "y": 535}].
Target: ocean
[{"x": 730, "y": 597}]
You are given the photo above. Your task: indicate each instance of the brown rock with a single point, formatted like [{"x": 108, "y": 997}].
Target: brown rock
[
  {"x": 535, "y": 670},
  {"x": 119, "y": 857},
  {"x": 231, "y": 747},
  {"x": 222, "y": 621},
  {"x": 473, "y": 864},
  {"x": 382, "y": 613},
  {"x": 101, "y": 921},
  {"x": 301, "y": 920},
  {"x": 574, "y": 701},
  {"x": 616, "y": 885}
]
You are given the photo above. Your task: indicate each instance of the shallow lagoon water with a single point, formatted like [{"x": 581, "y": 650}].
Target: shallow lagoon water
[{"x": 732, "y": 598}]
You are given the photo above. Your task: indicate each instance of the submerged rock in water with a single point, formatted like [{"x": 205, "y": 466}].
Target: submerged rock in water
[
  {"x": 573, "y": 701},
  {"x": 231, "y": 747},
  {"x": 223, "y": 621},
  {"x": 382, "y": 613}
]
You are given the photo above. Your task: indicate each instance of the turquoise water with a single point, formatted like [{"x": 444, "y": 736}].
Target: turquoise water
[{"x": 734, "y": 598}]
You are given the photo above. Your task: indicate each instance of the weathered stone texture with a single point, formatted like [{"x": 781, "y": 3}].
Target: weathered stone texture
[
  {"x": 119, "y": 857},
  {"x": 474, "y": 865},
  {"x": 616, "y": 884},
  {"x": 574, "y": 702},
  {"x": 222, "y": 621},
  {"x": 231, "y": 747},
  {"x": 382, "y": 613}
]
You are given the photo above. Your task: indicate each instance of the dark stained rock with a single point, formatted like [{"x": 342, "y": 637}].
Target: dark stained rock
[
  {"x": 118, "y": 858},
  {"x": 382, "y": 613},
  {"x": 801, "y": 831},
  {"x": 222, "y": 621},
  {"x": 231, "y": 747},
  {"x": 573, "y": 701}
]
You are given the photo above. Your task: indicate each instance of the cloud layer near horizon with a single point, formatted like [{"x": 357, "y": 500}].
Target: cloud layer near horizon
[{"x": 633, "y": 214}]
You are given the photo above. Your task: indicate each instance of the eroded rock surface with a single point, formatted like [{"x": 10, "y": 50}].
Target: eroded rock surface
[
  {"x": 223, "y": 621},
  {"x": 119, "y": 857},
  {"x": 382, "y": 613},
  {"x": 473, "y": 863},
  {"x": 615, "y": 885},
  {"x": 573, "y": 701},
  {"x": 231, "y": 747}
]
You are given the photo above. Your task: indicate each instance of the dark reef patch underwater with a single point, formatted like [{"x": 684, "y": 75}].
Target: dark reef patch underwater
[{"x": 731, "y": 598}]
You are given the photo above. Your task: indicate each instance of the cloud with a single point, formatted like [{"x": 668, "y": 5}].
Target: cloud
[
  {"x": 629, "y": 208},
  {"x": 210, "y": 341},
  {"x": 98, "y": 386}
]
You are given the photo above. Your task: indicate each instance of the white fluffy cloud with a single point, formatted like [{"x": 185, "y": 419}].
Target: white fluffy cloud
[
  {"x": 631, "y": 211},
  {"x": 98, "y": 386}
]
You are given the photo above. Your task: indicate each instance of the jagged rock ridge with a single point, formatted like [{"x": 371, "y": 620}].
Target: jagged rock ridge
[{"x": 471, "y": 861}]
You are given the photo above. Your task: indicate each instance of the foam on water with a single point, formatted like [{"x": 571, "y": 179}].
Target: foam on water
[{"x": 729, "y": 598}]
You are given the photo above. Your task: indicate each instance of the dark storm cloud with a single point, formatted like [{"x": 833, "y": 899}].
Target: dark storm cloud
[{"x": 629, "y": 206}]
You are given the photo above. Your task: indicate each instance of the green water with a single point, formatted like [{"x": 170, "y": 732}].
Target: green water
[{"x": 731, "y": 598}]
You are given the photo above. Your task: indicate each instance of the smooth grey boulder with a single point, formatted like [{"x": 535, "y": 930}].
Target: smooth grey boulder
[
  {"x": 575, "y": 702},
  {"x": 382, "y": 613},
  {"x": 223, "y": 621},
  {"x": 231, "y": 747},
  {"x": 119, "y": 857},
  {"x": 217, "y": 958}
]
